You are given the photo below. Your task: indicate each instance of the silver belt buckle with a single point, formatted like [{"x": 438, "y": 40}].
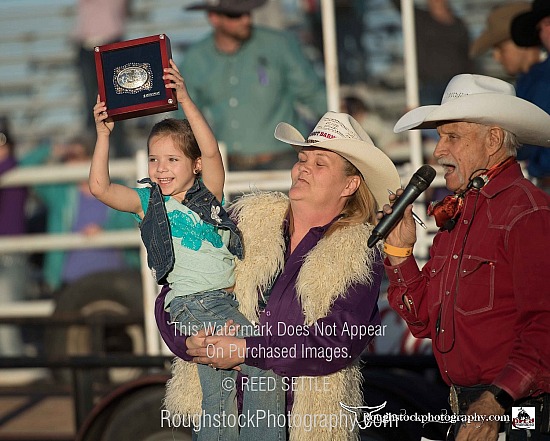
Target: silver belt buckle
[{"x": 453, "y": 400}]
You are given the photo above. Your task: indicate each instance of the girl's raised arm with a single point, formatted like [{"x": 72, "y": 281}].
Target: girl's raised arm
[
  {"x": 213, "y": 173},
  {"x": 116, "y": 196}
]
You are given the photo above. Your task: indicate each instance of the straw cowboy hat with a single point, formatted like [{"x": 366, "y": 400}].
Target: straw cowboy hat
[
  {"x": 342, "y": 134},
  {"x": 484, "y": 100},
  {"x": 497, "y": 29},
  {"x": 226, "y": 6},
  {"x": 524, "y": 26}
]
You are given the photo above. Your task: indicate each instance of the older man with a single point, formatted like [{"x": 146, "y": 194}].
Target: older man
[{"x": 483, "y": 296}]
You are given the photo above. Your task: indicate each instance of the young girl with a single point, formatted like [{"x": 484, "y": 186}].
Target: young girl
[{"x": 192, "y": 246}]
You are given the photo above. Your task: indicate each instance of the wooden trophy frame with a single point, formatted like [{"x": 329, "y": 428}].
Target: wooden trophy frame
[{"x": 129, "y": 77}]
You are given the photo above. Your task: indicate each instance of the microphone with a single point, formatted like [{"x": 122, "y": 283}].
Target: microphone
[
  {"x": 419, "y": 182},
  {"x": 478, "y": 183}
]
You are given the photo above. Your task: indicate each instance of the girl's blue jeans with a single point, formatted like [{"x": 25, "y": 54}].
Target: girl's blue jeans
[{"x": 261, "y": 405}]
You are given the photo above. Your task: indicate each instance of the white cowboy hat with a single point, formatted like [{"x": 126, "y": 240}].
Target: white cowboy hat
[
  {"x": 342, "y": 134},
  {"x": 483, "y": 100}
]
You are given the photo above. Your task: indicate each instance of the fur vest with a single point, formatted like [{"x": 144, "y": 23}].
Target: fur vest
[{"x": 343, "y": 258}]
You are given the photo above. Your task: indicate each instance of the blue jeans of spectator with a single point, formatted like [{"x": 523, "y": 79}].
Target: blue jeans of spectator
[{"x": 212, "y": 310}]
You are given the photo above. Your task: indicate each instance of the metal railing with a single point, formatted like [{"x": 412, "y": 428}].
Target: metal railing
[
  {"x": 126, "y": 169},
  {"x": 134, "y": 169}
]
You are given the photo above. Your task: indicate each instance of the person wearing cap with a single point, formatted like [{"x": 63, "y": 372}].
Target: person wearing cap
[
  {"x": 482, "y": 297},
  {"x": 13, "y": 266},
  {"x": 515, "y": 60},
  {"x": 307, "y": 276},
  {"x": 532, "y": 29},
  {"x": 248, "y": 78}
]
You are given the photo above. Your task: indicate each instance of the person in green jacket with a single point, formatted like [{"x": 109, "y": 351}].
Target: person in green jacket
[
  {"x": 246, "y": 79},
  {"x": 71, "y": 208}
]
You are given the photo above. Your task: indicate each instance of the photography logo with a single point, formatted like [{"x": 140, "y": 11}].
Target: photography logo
[
  {"x": 365, "y": 416},
  {"x": 523, "y": 417}
]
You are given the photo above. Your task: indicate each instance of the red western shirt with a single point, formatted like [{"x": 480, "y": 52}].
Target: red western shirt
[{"x": 483, "y": 297}]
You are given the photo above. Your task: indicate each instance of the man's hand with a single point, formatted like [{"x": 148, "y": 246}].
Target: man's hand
[
  {"x": 485, "y": 406},
  {"x": 224, "y": 351},
  {"x": 196, "y": 340},
  {"x": 403, "y": 235}
]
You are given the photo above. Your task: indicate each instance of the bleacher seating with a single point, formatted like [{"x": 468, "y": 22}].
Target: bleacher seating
[{"x": 39, "y": 86}]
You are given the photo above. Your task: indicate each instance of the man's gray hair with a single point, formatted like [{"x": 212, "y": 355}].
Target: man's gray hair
[{"x": 510, "y": 143}]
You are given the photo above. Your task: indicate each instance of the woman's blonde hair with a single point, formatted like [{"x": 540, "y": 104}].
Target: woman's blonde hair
[
  {"x": 181, "y": 133},
  {"x": 360, "y": 207}
]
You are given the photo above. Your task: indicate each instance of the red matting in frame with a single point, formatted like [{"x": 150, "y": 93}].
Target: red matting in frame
[{"x": 129, "y": 77}]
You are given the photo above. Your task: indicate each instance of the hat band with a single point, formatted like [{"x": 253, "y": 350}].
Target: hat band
[{"x": 319, "y": 134}]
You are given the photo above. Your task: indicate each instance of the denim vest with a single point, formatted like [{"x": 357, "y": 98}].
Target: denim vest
[{"x": 155, "y": 228}]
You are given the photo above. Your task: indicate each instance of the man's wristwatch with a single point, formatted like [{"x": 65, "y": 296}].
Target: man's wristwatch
[{"x": 503, "y": 398}]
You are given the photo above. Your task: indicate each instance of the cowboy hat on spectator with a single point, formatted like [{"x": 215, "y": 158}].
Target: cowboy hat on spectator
[
  {"x": 497, "y": 29},
  {"x": 524, "y": 26},
  {"x": 226, "y": 6}
]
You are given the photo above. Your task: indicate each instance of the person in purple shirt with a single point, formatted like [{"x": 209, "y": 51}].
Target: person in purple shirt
[
  {"x": 308, "y": 280},
  {"x": 12, "y": 222},
  {"x": 71, "y": 208}
]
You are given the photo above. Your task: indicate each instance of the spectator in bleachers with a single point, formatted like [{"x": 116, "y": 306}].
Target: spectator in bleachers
[
  {"x": 515, "y": 60},
  {"x": 72, "y": 208},
  {"x": 246, "y": 79},
  {"x": 352, "y": 56},
  {"x": 380, "y": 131},
  {"x": 12, "y": 223},
  {"x": 532, "y": 29},
  {"x": 442, "y": 49},
  {"x": 442, "y": 42},
  {"x": 99, "y": 22}
]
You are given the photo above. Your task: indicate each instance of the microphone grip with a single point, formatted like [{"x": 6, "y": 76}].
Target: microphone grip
[
  {"x": 386, "y": 224},
  {"x": 419, "y": 182}
]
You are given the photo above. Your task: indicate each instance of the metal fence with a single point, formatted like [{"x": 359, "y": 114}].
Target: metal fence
[{"x": 236, "y": 183}]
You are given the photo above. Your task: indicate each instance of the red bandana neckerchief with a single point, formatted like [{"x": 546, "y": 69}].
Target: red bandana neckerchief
[{"x": 450, "y": 207}]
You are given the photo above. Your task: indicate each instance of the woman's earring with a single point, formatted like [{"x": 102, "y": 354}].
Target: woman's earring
[{"x": 195, "y": 172}]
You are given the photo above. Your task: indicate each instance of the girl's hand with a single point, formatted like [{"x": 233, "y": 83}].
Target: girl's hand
[
  {"x": 100, "y": 115},
  {"x": 177, "y": 82}
]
